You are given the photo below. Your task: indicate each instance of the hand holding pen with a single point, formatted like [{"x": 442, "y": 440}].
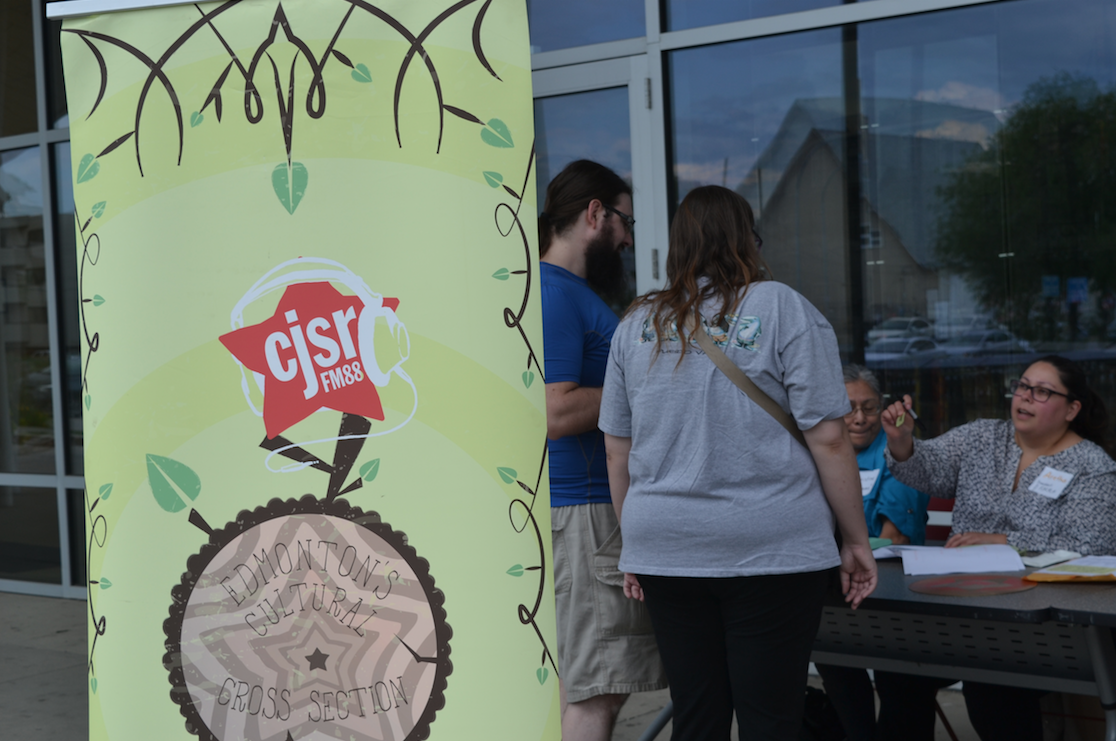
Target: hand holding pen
[{"x": 899, "y": 420}]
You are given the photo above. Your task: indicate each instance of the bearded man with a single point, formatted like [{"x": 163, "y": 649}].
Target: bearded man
[{"x": 606, "y": 647}]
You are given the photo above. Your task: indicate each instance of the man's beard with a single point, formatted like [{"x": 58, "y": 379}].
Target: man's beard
[{"x": 604, "y": 268}]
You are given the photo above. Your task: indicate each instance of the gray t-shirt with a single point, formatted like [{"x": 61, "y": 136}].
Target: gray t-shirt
[{"x": 718, "y": 487}]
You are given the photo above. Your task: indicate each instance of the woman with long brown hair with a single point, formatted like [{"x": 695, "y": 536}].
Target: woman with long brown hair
[{"x": 727, "y": 519}]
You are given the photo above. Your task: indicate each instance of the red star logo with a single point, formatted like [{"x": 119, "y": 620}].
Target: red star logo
[{"x": 309, "y": 354}]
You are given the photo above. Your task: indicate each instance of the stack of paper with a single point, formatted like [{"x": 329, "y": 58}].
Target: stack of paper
[
  {"x": 1090, "y": 566},
  {"x": 974, "y": 559}
]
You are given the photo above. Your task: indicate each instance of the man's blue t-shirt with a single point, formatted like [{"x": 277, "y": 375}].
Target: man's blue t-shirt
[{"x": 577, "y": 330}]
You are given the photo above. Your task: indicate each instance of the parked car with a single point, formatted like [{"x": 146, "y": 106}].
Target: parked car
[
  {"x": 890, "y": 349},
  {"x": 901, "y": 326},
  {"x": 989, "y": 342},
  {"x": 956, "y": 326}
]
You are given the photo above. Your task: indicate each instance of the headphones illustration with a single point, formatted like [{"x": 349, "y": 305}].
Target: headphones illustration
[{"x": 322, "y": 270}]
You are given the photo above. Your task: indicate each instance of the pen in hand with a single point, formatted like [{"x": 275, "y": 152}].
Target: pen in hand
[{"x": 914, "y": 415}]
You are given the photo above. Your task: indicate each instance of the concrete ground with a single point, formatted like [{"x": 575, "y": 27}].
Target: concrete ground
[{"x": 42, "y": 686}]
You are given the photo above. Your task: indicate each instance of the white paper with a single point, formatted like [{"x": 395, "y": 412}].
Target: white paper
[
  {"x": 1051, "y": 482},
  {"x": 867, "y": 481},
  {"x": 1088, "y": 566},
  {"x": 895, "y": 551},
  {"x": 974, "y": 559},
  {"x": 1043, "y": 560}
]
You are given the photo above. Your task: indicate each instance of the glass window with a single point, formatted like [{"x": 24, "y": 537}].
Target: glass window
[
  {"x": 17, "y": 68},
  {"x": 987, "y": 184},
  {"x": 977, "y": 148},
  {"x": 560, "y": 24},
  {"x": 766, "y": 118},
  {"x": 681, "y": 14},
  {"x": 56, "y": 89},
  {"x": 69, "y": 323},
  {"x": 26, "y": 412},
  {"x": 77, "y": 520},
  {"x": 29, "y": 549},
  {"x": 591, "y": 125}
]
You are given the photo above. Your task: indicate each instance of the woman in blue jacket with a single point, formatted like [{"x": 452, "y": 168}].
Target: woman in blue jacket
[{"x": 895, "y": 511}]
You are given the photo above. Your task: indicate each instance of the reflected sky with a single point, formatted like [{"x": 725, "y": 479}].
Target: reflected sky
[
  {"x": 560, "y": 24},
  {"x": 681, "y": 14},
  {"x": 729, "y": 101},
  {"x": 592, "y": 125}
]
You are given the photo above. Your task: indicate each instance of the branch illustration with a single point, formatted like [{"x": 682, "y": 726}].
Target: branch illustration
[
  {"x": 98, "y": 531},
  {"x": 254, "y": 107}
]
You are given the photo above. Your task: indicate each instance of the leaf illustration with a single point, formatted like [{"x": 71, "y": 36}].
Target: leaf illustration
[
  {"x": 496, "y": 134},
  {"x": 342, "y": 58},
  {"x": 369, "y": 470},
  {"x": 516, "y": 570},
  {"x": 105, "y": 491},
  {"x": 112, "y": 146},
  {"x": 528, "y": 378},
  {"x": 507, "y": 474},
  {"x": 93, "y": 684},
  {"x": 88, "y": 401},
  {"x": 361, "y": 74},
  {"x": 99, "y": 209},
  {"x": 172, "y": 482},
  {"x": 105, "y": 583},
  {"x": 196, "y": 118},
  {"x": 542, "y": 673},
  {"x": 88, "y": 168},
  {"x": 512, "y": 192},
  {"x": 501, "y": 274},
  {"x": 98, "y": 299},
  {"x": 493, "y": 179},
  {"x": 461, "y": 113},
  {"x": 290, "y": 184}
]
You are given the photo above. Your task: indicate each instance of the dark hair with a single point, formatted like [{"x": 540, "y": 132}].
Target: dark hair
[
  {"x": 570, "y": 193},
  {"x": 711, "y": 237},
  {"x": 1091, "y": 422}
]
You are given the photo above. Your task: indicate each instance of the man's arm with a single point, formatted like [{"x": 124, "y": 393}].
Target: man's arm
[{"x": 571, "y": 409}]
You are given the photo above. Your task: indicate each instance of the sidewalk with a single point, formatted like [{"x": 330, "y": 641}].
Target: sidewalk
[
  {"x": 42, "y": 652},
  {"x": 43, "y": 689}
]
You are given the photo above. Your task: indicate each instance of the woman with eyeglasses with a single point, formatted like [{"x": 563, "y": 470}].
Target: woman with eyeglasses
[
  {"x": 897, "y": 512},
  {"x": 1040, "y": 482}
]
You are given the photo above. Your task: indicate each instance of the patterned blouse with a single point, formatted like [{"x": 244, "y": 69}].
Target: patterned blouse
[{"x": 976, "y": 463}]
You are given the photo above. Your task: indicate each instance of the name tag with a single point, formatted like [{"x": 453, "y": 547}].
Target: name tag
[
  {"x": 868, "y": 481},
  {"x": 1050, "y": 483}
]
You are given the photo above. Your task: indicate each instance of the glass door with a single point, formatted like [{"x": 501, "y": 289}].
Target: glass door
[{"x": 603, "y": 111}]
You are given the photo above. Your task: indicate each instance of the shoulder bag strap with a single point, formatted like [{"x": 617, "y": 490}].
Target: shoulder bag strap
[{"x": 745, "y": 384}]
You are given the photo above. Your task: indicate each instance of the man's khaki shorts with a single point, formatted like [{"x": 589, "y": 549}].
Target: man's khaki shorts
[{"x": 605, "y": 642}]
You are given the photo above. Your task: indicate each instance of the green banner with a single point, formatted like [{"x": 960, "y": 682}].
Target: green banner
[{"x": 314, "y": 414}]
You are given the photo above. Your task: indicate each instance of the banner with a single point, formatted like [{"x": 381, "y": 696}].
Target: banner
[{"x": 314, "y": 412}]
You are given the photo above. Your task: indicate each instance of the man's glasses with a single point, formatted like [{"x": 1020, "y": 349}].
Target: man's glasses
[
  {"x": 759, "y": 239},
  {"x": 869, "y": 408},
  {"x": 1037, "y": 393},
  {"x": 629, "y": 222}
]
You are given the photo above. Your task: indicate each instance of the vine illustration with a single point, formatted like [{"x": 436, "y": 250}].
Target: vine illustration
[
  {"x": 98, "y": 531},
  {"x": 290, "y": 178},
  {"x": 513, "y": 319}
]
